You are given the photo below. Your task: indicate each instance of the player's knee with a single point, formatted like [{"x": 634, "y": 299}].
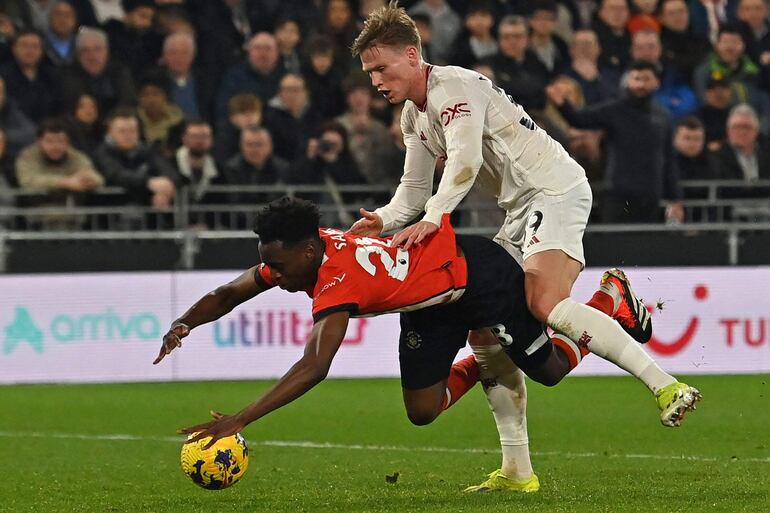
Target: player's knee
[
  {"x": 541, "y": 305},
  {"x": 422, "y": 416}
]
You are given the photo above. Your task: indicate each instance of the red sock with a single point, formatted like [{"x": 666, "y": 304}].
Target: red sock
[
  {"x": 462, "y": 376},
  {"x": 574, "y": 352},
  {"x": 602, "y": 302}
]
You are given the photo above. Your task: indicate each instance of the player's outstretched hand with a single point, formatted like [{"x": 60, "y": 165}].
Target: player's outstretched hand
[
  {"x": 414, "y": 234},
  {"x": 370, "y": 225},
  {"x": 220, "y": 427},
  {"x": 172, "y": 340}
]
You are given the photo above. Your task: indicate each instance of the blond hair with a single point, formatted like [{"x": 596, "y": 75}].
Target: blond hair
[{"x": 390, "y": 26}]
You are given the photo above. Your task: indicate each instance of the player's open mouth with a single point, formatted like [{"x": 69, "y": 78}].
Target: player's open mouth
[{"x": 385, "y": 93}]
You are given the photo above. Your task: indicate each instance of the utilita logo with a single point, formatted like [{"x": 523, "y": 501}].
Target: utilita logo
[
  {"x": 735, "y": 331},
  {"x": 275, "y": 328}
]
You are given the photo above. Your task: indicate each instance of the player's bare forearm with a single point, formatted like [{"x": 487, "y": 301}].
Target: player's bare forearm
[{"x": 310, "y": 370}]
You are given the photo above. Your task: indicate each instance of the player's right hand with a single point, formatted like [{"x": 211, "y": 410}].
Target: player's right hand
[
  {"x": 370, "y": 225},
  {"x": 172, "y": 340}
]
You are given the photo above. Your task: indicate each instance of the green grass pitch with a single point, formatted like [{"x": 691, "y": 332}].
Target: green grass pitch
[{"x": 597, "y": 446}]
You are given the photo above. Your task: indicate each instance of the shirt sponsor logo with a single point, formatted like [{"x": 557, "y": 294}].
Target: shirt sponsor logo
[{"x": 458, "y": 110}]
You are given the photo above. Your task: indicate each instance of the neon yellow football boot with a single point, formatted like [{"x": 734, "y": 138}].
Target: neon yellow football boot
[
  {"x": 674, "y": 401},
  {"x": 499, "y": 482}
]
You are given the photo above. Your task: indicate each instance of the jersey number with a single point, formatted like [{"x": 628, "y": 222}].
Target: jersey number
[
  {"x": 504, "y": 338},
  {"x": 396, "y": 269}
]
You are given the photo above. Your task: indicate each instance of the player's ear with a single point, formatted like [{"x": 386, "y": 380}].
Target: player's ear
[{"x": 413, "y": 54}]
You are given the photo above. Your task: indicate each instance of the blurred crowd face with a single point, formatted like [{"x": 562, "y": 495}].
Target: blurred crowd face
[
  {"x": 753, "y": 12},
  {"x": 93, "y": 54},
  {"x": 179, "y": 54},
  {"x": 689, "y": 141},
  {"x": 641, "y": 82},
  {"x": 2, "y": 93},
  {"x": 479, "y": 23},
  {"x": 256, "y": 146},
  {"x": 28, "y": 50},
  {"x": 322, "y": 62},
  {"x": 614, "y": 13},
  {"x": 2, "y": 144},
  {"x": 330, "y": 145},
  {"x": 87, "y": 111},
  {"x": 54, "y": 145},
  {"x": 198, "y": 139},
  {"x": 513, "y": 40},
  {"x": 140, "y": 18},
  {"x": 359, "y": 100},
  {"x": 293, "y": 93},
  {"x": 645, "y": 46},
  {"x": 263, "y": 52},
  {"x": 62, "y": 20},
  {"x": 543, "y": 23},
  {"x": 287, "y": 36},
  {"x": 124, "y": 133},
  {"x": 729, "y": 48},
  {"x": 646, "y": 6},
  {"x": 742, "y": 131},
  {"x": 674, "y": 15},
  {"x": 719, "y": 97},
  {"x": 338, "y": 14},
  {"x": 153, "y": 100},
  {"x": 585, "y": 46}
]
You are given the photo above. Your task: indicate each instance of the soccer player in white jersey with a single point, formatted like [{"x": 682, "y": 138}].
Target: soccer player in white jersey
[{"x": 483, "y": 136}]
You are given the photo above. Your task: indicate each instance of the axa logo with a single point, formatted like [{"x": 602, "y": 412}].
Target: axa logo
[
  {"x": 458, "y": 110},
  {"x": 102, "y": 326}
]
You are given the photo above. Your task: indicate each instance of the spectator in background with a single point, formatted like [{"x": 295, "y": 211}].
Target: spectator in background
[
  {"x": 744, "y": 157},
  {"x": 84, "y": 125},
  {"x": 549, "y": 48},
  {"x": 7, "y": 33},
  {"x": 323, "y": 78},
  {"x": 643, "y": 16},
  {"x": 597, "y": 84},
  {"x": 517, "y": 69},
  {"x": 674, "y": 93},
  {"x": 641, "y": 169},
  {"x": 690, "y": 151},
  {"x": 159, "y": 118},
  {"x": 51, "y": 164},
  {"x": 195, "y": 163},
  {"x": 477, "y": 42},
  {"x": 756, "y": 32},
  {"x": 7, "y": 171},
  {"x": 95, "y": 13},
  {"x": 28, "y": 80},
  {"x": 729, "y": 61},
  {"x": 255, "y": 164},
  {"x": 611, "y": 27},
  {"x": 191, "y": 90},
  {"x": 328, "y": 162},
  {"x": 395, "y": 153},
  {"x": 425, "y": 30},
  {"x": 717, "y": 101},
  {"x": 259, "y": 75},
  {"x": 244, "y": 110},
  {"x": 19, "y": 129},
  {"x": 60, "y": 36},
  {"x": 682, "y": 48},
  {"x": 288, "y": 37},
  {"x": 127, "y": 162},
  {"x": 366, "y": 136},
  {"x": 94, "y": 74},
  {"x": 134, "y": 41},
  {"x": 445, "y": 26},
  {"x": 340, "y": 26},
  {"x": 291, "y": 117}
]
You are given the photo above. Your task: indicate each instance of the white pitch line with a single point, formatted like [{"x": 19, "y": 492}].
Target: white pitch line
[{"x": 360, "y": 447}]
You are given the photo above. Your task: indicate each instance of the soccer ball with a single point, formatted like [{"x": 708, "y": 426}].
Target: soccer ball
[{"x": 221, "y": 465}]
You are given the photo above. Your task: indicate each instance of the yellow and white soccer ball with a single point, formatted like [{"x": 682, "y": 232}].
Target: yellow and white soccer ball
[{"x": 221, "y": 465}]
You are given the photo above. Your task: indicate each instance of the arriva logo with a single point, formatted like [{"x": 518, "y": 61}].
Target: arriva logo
[{"x": 96, "y": 327}]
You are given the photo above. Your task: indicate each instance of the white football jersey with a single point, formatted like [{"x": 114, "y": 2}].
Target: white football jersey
[{"x": 485, "y": 137}]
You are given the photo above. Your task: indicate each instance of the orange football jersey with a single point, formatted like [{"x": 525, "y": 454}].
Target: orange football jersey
[{"x": 367, "y": 276}]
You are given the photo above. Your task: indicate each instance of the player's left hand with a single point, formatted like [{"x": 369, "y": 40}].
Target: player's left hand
[
  {"x": 222, "y": 426},
  {"x": 414, "y": 234}
]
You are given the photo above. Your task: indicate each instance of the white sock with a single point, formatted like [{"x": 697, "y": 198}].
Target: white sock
[
  {"x": 506, "y": 394},
  {"x": 605, "y": 338}
]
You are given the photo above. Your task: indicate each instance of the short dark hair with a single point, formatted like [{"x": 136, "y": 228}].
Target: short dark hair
[
  {"x": 51, "y": 126},
  {"x": 730, "y": 28},
  {"x": 390, "y": 26},
  {"x": 289, "y": 220},
  {"x": 645, "y": 66},
  {"x": 690, "y": 123},
  {"x": 27, "y": 32},
  {"x": 544, "y": 5},
  {"x": 122, "y": 112}
]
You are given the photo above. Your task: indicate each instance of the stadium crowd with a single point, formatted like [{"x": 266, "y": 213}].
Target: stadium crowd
[{"x": 161, "y": 96}]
